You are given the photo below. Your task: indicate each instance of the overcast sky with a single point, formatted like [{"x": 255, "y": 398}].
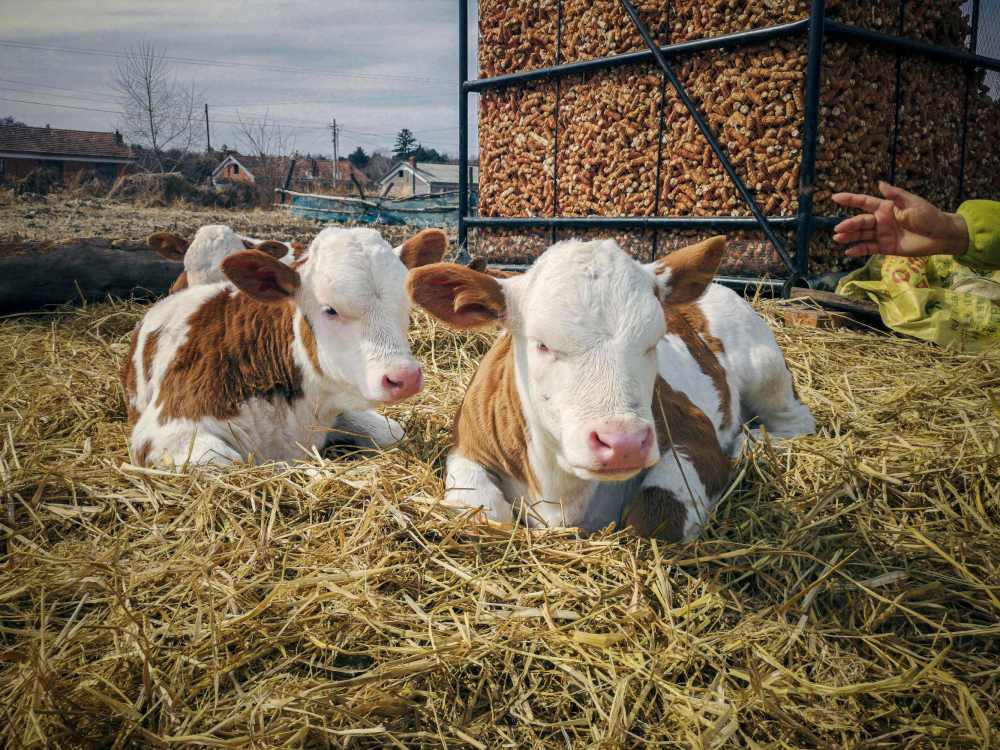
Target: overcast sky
[{"x": 375, "y": 65}]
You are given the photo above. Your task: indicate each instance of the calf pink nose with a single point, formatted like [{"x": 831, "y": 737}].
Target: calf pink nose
[
  {"x": 621, "y": 450},
  {"x": 402, "y": 383}
]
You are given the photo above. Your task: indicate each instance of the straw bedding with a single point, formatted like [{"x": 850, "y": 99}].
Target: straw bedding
[{"x": 846, "y": 594}]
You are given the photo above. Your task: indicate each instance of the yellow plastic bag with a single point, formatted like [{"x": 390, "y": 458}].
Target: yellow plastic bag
[{"x": 936, "y": 299}]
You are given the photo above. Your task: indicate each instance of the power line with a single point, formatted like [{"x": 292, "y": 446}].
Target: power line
[
  {"x": 29, "y": 92},
  {"x": 58, "y": 88},
  {"x": 118, "y": 112},
  {"x": 230, "y": 64}
]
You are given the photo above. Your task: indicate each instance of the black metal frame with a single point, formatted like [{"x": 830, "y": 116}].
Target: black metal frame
[{"x": 805, "y": 223}]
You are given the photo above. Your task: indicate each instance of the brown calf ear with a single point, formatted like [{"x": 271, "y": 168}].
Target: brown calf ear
[
  {"x": 168, "y": 245},
  {"x": 273, "y": 248},
  {"x": 478, "y": 264},
  {"x": 180, "y": 284},
  {"x": 261, "y": 276},
  {"x": 457, "y": 295},
  {"x": 424, "y": 248},
  {"x": 684, "y": 275}
]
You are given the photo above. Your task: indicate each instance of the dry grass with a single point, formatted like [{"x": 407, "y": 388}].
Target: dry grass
[{"x": 847, "y": 593}]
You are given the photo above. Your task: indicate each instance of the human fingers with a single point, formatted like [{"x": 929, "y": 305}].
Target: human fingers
[
  {"x": 849, "y": 238},
  {"x": 867, "y": 203},
  {"x": 857, "y": 223}
]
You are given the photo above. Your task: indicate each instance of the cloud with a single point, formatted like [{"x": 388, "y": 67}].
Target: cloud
[{"x": 376, "y": 66}]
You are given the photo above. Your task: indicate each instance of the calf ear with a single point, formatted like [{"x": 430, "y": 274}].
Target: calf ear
[
  {"x": 180, "y": 284},
  {"x": 423, "y": 248},
  {"x": 479, "y": 264},
  {"x": 168, "y": 245},
  {"x": 273, "y": 248},
  {"x": 261, "y": 276},
  {"x": 457, "y": 295},
  {"x": 683, "y": 276}
]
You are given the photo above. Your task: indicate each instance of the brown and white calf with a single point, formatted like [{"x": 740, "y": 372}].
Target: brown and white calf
[
  {"x": 260, "y": 366},
  {"x": 617, "y": 393},
  {"x": 203, "y": 254}
]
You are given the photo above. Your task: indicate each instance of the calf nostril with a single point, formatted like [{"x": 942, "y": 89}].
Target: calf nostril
[
  {"x": 647, "y": 439},
  {"x": 390, "y": 383},
  {"x": 596, "y": 442}
]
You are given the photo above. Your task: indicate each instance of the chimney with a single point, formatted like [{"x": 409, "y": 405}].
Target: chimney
[{"x": 413, "y": 161}]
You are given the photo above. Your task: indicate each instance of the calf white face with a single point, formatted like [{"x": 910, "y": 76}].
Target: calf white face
[
  {"x": 586, "y": 320},
  {"x": 349, "y": 288}
]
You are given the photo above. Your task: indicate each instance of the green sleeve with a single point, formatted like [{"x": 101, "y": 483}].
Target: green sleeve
[{"x": 983, "y": 220}]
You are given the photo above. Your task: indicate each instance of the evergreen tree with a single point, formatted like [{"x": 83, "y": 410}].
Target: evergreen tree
[
  {"x": 405, "y": 143},
  {"x": 359, "y": 158}
]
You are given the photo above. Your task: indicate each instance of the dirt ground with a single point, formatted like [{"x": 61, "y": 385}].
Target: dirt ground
[{"x": 58, "y": 218}]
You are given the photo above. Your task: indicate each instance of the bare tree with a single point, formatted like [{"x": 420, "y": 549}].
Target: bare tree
[
  {"x": 157, "y": 111},
  {"x": 270, "y": 144}
]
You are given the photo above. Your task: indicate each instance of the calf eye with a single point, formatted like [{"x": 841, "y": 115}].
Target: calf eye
[
  {"x": 542, "y": 348},
  {"x": 330, "y": 312}
]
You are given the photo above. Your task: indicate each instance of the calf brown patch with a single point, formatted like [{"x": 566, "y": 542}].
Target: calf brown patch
[
  {"x": 180, "y": 284},
  {"x": 149, "y": 354},
  {"x": 656, "y": 512},
  {"x": 689, "y": 323},
  {"x": 128, "y": 376},
  {"x": 237, "y": 349},
  {"x": 309, "y": 343},
  {"x": 142, "y": 455},
  {"x": 682, "y": 426},
  {"x": 489, "y": 427}
]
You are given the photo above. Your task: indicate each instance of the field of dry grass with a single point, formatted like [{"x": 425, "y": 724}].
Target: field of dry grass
[
  {"x": 59, "y": 217},
  {"x": 846, "y": 593}
]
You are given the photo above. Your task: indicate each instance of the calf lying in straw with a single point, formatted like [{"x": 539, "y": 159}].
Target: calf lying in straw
[
  {"x": 259, "y": 367},
  {"x": 212, "y": 244},
  {"x": 617, "y": 393}
]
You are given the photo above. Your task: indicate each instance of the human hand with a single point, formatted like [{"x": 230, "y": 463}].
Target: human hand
[{"x": 901, "y": 223}]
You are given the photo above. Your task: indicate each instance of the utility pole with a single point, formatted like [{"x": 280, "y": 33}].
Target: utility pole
[
  {"x": 208, "y": 133},
  {"x": 335, "y": 133}
]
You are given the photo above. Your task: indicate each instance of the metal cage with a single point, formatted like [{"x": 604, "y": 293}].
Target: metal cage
[{"x": 818, "y": 28}]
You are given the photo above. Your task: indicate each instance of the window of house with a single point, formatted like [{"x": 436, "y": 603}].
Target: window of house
[
  {"x": 400, "y": 173},
  {"x": 236, "y": 169},
  {"x": 3, "y": 167}
]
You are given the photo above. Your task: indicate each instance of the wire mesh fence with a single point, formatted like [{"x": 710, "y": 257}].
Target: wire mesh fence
[{"x": 575, "y": 120}]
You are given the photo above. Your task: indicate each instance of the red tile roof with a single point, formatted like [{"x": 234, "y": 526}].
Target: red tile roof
[{"x": 53, "y": 141}]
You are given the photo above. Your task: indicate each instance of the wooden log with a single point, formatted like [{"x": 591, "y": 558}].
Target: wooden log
[{"x": 34, "y": 275}]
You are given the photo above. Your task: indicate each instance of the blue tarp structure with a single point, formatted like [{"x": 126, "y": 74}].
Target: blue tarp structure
[{"x": 440, "y": 209}]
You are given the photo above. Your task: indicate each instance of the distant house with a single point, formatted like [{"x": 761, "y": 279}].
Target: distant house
[
  {"x": 309, "y": 174},
  {"x": 232, "y": 169},
  {"x": 24, "y": 149},
  {"x": 408, "y": 178}
]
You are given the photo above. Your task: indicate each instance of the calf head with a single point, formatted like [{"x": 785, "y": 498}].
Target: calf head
[
  {"x": 349, "y": 288},
  {"x": 585, "y": 322},
  {"x": 203, "y": 255}
]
